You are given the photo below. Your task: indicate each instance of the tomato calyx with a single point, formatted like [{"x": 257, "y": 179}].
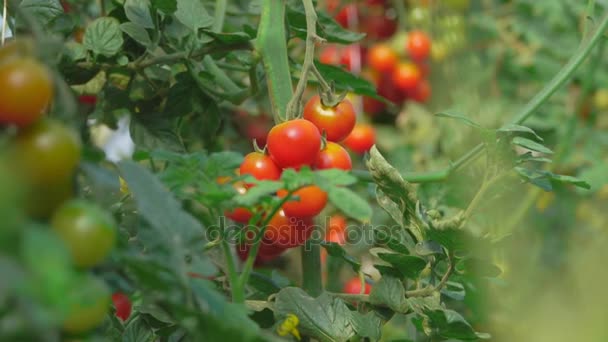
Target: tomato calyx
[{"x": 330, "y": 98}]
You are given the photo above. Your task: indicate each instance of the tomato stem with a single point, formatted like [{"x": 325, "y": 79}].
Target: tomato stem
[
  {"x": 271, "y": 45},
  {"x": 311, "y": 268}
]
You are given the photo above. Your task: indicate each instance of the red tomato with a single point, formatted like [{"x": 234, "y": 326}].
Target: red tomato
[
  {"x": 310, "y": 202},
  {"x": 389, "y": 90},
  {"x": 337, "y": 223},
  {"x": 382, "y": 58},
  {"x": 361, "y": 139},
  {"x": 418, "y": 45},
  {"x": 254, "y": 127},
  {"x": 240, "y": 214},
  {"x": 334, "y": 156},
  {"x": 336, "y": 122},
  {"x": 348, "y": 14},
  {"x": 407, "y": 76},
  {"x": 372, "y": 106},
  {"x": 379, "y": 26},
  {"x": 335, "y": 237},
  {"x": 260, "y": 166},
  {"x": 287, "y": 232},
  {"x": 353, "y": 286},
  {"x": 87, "y": 99},
  {"x": 422, "y": 92},
  {"x": 330, "y": 55},
  {"x": 26, "y": 90},
  {"x": 122, "y": 303},
  {"x": 294, "y": 143},
  {"x": 266, "y": 253}
]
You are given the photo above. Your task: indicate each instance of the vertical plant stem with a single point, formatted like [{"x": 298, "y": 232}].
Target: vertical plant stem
[
  {"x": 238, "y": 294},
  {"x": 219, "y": 15},
  {"x": 271, "y": 44},
  {"x": 311, "y": 268}
]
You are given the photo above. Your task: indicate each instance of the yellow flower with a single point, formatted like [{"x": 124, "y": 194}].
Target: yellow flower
[{"x": 289, "y": 326}]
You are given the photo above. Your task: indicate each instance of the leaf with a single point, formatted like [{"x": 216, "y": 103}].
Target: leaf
[
  {"x": 536, "y": 177},
  {"x": 327, "y": 27},
  {"x": 261, "y": 189},
  {"x": 368, "y": 325},
  {"x": 396, "y": 189},
  {"x": 337, "y": 177},
  {"x": 164, "y": 214},
  {"x": 478, "y": 267},
  {"x": 136, "y": 32},
  {"x": 193, "y": 14},
  {"x": 103, "y": 37},
  {"x": 409, "y": 265},
  {"x": 450, "y": 324},
  {"x": 569, "y": 180},
  {"x": 43, "y": 11},
  {"x": 531, "y": 145},
  {"x": 336, "y": 251},
  {"x": 138, "y": 331},
  {"x": 165, "y": 6},
  {"x": 138, "y": 12},
  {"x": 389, "y": 291},
  {"x": 324, "y": 318},
  {"x": 454, "y": 290},
  {"x": 426, "y": 248},
  {"x": 153, "y": 131},
  {"x": 460, "y": 117},
  {"x": 350, "y": 204},
  {"x": 529, "y": 157},
  {"x": 514, "y": 128},
  {"x": 392, "y": 237},
  {"x": 346, "y": 81}
]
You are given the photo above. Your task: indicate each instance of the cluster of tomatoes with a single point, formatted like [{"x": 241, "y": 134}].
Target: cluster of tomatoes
[
  {"x": 43, "y": 154},
  {"x": 314, "y": 142},
  {"x": 397, "y": 64}
]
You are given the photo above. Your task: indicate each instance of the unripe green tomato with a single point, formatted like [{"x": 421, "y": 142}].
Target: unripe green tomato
[
  {"x": 88, "y": 305},
  {"x": 87, "y": 230},
  {"x": 398, "y": 43},
  {"x": 600, "y": 99},
  {"x": 439, "y": 51}
]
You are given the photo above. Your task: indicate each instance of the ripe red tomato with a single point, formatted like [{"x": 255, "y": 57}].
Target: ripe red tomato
[
  {"x": 88, "y": 231},
  {"x": 46, "y": 153},
  {"x": 353, "y": 286},
  {"x": 240, "y": 214},
  {"x": 330, "y": 54},
  {"x": 422, "y": 92},
  {"x": 336, "y": 229},
  {"x": 419, "y": 45},
  {"x": 27, "y": 89},
  {"x": 294, "y": 143},
  {"x": 362, "y": 138},
  {"x": 382, "y": 58},
  {"x": 311, "y": 201},
  {"x": 407, "y": 76},
  {"x": 347, "y": 14},
  {"x": 89, "y": 303},
  {"x": 389, "y": 90},
  {"x": 379, "y": 25},
  {"x": 122, "y": 304},
  {"x": 267, "y": 252},
  {"x": 334, "y": 156},
  {"x": 336, "y": 122},
  {"x": 260, "y": 166},
  {"x": 88, "y": 99},
  {"x": 287, "y": 232},
  {"x": 371, "y": 106}
]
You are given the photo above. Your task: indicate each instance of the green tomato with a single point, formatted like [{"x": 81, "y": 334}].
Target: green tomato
[
  {"x": 600, "y": 99},
  {"x": 419, "y": 17},
  {"x": 46, "y": 152},
  {"x": 88, "y": 232},
  {"x": 88, "y": 304}
]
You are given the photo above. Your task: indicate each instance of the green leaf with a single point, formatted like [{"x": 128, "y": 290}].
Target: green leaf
[
  {"x": 478, "y": 267},
  {"x": 392, "y": 185},
  {"x": 327, "y": 27},
  {"x": 74, "y": 51},
  {"x": 368, "y": 325},
  {"x": 165, "y": 6},
  {"x": 531, "y": 145},
  {"x": 569, "y": 180},
  {"x": 193, "y": 14},
  {"x": 43, "y": 11},
  {"x": 337, "y": 177},
  {"x": 138, "y": 331},
  {"x": 394, "y": 238},
  {"x": 153, "y": 131},
  {"x": 350, "y": 204},
  {"x": 460, "y": 117},
  {"x": 514, "y": 128},
  {"x": 325, "y": 318},
  {"x": 103, "y": 37},
  {"x": 529, "y": 157},
  {"x": 138, "y": 12},
  {"x": 389, "y": 291},
  {"x": 426, "y": 248},
  {"x": 138, "y": 33},
  {"x": 536, "y": 177},
  {"x": 450, "y": 324},
  {"x": 335, "y": 250},
  {"x": 409, "y": 265},
  {"x": 254, "y": 194},
  {"x": 346, "y": 81}
]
